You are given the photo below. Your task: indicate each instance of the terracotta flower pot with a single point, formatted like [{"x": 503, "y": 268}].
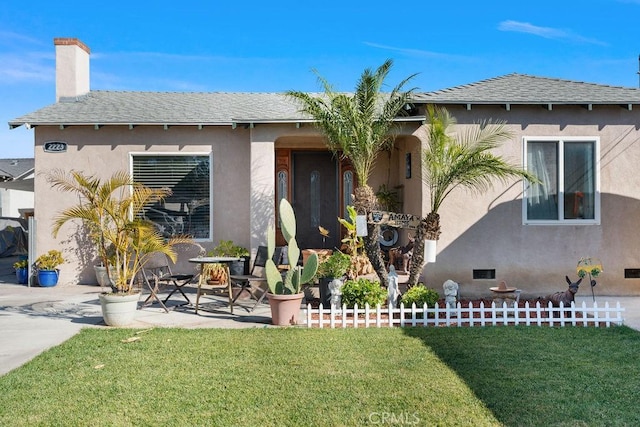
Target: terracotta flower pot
[{"x": 285, "y": 309}]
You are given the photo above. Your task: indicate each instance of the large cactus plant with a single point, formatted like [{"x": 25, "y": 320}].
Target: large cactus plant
[{"x": 296, "y": 276}]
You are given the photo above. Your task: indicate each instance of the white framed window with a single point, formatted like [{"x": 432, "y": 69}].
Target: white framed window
[
  {"x": 188, "y": 210},
  {"x": 569, "y": 172}
]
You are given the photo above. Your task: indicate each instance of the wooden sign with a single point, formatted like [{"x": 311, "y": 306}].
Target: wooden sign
[{"x": 393, "y": 219}]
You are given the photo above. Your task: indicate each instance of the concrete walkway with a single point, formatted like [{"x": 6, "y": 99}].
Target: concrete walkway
[{"x": 33, "y": 319}]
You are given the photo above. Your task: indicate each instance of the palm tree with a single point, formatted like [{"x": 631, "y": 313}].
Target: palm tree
[
  {"x": 112, "y": 210},
  {"x": 464, "y": 160},
  {"x": 358, "y": 127}
]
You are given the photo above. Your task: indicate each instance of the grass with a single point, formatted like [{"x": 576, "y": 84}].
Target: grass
[{"x": 514, "y": 376}]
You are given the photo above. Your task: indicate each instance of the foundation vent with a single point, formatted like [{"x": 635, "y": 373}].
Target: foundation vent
[
  {"x": 484, "y": 274},
  {"x": 632, "y": 273}
]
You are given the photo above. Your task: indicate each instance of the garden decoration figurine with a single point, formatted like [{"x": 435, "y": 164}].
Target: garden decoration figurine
[
  {"x": 392, "y": 289},
  {"x": 592, "y": 267},
  {"x": 565, "y": 297},
  {"x": 450, "y": 293},
  {"x": 335, "y": 287},
  {"x": 503, "y": 294},
  {"x": 404, "y": 252}
]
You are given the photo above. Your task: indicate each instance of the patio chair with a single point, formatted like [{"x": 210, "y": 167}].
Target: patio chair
[
  {"x": 160, "y": 272},
  {"x": 253, "y": 282}
]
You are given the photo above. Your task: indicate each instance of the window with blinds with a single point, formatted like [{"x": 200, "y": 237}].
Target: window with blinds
[{"x": 187, "y": 211}]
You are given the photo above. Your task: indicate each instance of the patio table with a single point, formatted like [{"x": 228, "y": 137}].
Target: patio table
[{"x": 224, "y": 260}]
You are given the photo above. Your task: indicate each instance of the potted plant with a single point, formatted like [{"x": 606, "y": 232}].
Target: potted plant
[
  {"x": 332, "y": 268},
  {"x": 285, "y": 289},
  {"x": 47, "y": 266},
  {"x": 353, "y": 245},
  {"x": 215, "y": 273},
  {"x": 114, "y": 209},
  {"x": 230, "y": 249},
  {"x": 22, "y": 271}
]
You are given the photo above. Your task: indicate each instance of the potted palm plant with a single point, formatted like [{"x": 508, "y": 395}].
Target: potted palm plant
[
  {"x": 285, "y": 289},
  {"x": 113, "y": 209},
  {"x": 47, "y": 266}
]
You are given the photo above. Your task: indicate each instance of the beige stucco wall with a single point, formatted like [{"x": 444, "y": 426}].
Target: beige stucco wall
[
  {"x": 486, "y": 231},
  {"x": 103, "y": 151},
  {"x": 478, "y": 231}
]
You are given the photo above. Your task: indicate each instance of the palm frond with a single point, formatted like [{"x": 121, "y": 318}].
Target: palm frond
[
  {"x": 466, "y": 160},
  {"x": 357, "y": 126}
]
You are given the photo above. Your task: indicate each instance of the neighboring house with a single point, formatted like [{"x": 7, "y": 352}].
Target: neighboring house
[
  {"x": 16, "y": 187},
  {"x": 229, "y": 156}
]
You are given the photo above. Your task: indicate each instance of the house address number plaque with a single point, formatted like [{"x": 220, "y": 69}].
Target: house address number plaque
[{"x": 55, "y": 147}]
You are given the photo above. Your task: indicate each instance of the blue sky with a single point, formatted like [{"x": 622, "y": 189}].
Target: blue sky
[{"x": 257, "y": 46}]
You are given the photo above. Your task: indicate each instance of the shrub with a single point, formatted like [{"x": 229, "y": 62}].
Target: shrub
[
  {"x": 228, "y": 248},
  {"x": 420, "y": 295},
  {"x": 363, "y": 291},
  {"x": 335, "y": 266}
]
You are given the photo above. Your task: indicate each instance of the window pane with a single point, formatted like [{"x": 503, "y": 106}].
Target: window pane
[
  {"x": 542, "y": 198},
  {"x": 579, "y": 180},
  {"x": 188, "y": 209}
]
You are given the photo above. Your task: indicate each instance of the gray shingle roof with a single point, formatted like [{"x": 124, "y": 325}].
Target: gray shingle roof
[
  {"x": 14, "y": 168},
  {"x": 525, "y": 89},
  {"x": 218, "y": 108}
]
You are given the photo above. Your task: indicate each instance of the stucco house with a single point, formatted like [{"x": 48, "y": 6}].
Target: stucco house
[{"x": 230, "y": 156}]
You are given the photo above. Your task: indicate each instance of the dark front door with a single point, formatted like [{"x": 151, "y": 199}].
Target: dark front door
[{"x": 316, "y": 198}]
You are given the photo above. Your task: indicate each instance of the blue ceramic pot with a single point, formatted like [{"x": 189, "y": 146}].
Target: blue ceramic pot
[
  {"x": 48, "y": 278},
  {"x": 22, "y": 276}
]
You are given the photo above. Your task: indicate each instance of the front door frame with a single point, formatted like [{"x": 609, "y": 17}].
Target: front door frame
[{"x": 283, "y": 177}]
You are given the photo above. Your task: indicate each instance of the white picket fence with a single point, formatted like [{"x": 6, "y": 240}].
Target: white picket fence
[{"x": 470, "y": 316}]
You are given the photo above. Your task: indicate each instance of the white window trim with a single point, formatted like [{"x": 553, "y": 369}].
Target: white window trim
[
  {"x": 184, "y": 153},
  {"x": 562, "y": 221}
]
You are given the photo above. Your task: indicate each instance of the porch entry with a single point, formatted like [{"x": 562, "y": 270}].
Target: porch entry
[{"x": 315, "y": 182}]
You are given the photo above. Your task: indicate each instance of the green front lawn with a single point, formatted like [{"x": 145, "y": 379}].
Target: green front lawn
[{"x": 515, "y": 376}]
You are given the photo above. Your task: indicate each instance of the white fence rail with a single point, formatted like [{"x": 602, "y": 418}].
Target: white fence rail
[{"x": 469, "y": 316}]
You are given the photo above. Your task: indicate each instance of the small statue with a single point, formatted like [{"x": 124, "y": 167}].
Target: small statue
[
  {"x": 404, "y": 252},
  {"x": 392, "y": 288},
  {"x": 335, "y": 289},
  {"x": 565, "y": 297},
  {"x": 450, "y": 293}
]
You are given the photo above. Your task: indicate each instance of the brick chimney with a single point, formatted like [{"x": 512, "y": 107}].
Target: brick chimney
[{"x": 72, "y": 68}]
